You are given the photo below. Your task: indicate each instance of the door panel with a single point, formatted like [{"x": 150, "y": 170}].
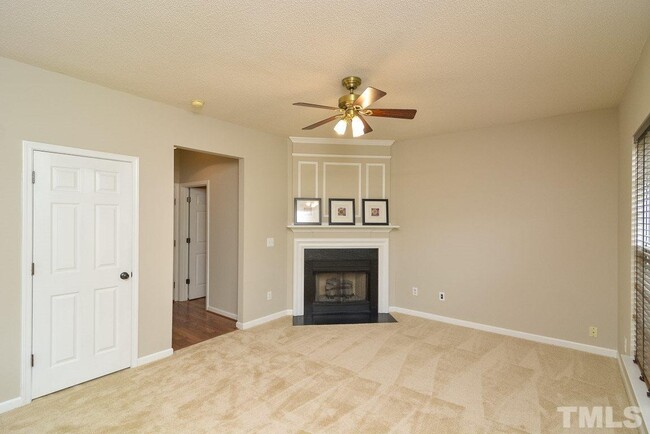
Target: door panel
[
  {"x": 106, "y": 236},
  {"x": 201, "y": 272},
  {"x": 65, "y": 237},
  {"x": 106, "y": 320},
  {"x": 83, "y": 229},
  {"x": 106, "y": 182},
  {"x": 65, "y": 179},
  {"x": 65, "y": 330}
]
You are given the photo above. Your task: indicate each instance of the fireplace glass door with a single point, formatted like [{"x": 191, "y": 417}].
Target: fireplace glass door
[{"x": 341, "y": 287}]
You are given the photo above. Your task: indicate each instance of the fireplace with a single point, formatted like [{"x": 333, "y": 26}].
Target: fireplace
[{"x": 341, "y": 286}]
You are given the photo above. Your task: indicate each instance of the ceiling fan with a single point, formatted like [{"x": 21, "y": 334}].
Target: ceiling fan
[{"x": 352, "y": 109}]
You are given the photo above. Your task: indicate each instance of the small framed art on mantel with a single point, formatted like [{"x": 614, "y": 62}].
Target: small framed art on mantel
[
  {"x": 375, "y": 212},
  {"x": 307, "y": 211},
  {"x": 341, "y": 211}
]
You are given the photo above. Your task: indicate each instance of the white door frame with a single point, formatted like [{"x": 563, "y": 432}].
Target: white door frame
[
  {"x": 27, "y": 254},
  {"x": 182, "y": 257},
  {"x": 176, "y": 286}
]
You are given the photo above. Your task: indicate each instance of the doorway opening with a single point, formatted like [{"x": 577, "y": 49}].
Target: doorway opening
[{"x": 206, "y": 244}]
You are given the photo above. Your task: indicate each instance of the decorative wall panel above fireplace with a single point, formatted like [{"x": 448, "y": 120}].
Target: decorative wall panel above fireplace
[{"x": 331, "y": 168}]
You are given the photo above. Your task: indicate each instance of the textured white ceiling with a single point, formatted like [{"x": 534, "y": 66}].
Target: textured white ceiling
[{"x": 463, "y": 64}]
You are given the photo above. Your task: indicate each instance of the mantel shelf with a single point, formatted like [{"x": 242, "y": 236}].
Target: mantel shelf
[{"x": 342, "y": 228}]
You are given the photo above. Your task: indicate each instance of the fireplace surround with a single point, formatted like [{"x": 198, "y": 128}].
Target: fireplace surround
[{"x": 340, "y": 281}]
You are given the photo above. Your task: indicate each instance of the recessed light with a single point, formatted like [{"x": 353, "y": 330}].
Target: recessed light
[{"x": 197, "y": 103}]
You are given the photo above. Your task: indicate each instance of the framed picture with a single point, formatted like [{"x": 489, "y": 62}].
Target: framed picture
[
  {"x": 307, "y": 211},
  {"x": 375, "y": 211},
  {"x": 341, "y": 211}
]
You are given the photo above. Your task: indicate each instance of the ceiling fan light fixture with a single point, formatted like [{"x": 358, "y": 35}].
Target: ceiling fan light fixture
[
  {"x": 341, "y": 126},
  {"x": 352, "y": 107},
  {"x": 357, "y": 127}
]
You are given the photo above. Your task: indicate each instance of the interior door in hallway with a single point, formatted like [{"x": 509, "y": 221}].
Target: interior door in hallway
[
  {"x": 198, "y": 235},
  {"x": 83, "y": 251}
]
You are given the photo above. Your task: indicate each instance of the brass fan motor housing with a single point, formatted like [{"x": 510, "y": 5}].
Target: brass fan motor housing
[{"x": 347, "y": 100}]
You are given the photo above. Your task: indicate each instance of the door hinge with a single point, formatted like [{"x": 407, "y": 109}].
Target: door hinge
[
  {"x": 188, "y": 240},
  {"x": 174, "y": 243},
  {"x": 33, "y": 177},
  {"x": 189, "y": 199},
  {"x": 32, "y": 360},
  {"x": 174, "y": 286},
  {"x": 187, "y": 281},
  {"x": 33, "y": 267},
  {"x": 174, "y": 201}
]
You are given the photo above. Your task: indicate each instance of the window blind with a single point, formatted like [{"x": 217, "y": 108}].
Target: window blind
[{"x": 641, "y": 244}]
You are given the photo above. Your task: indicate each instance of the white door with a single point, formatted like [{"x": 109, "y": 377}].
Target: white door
[
  {"x": 198, "y": 243},
  {"x": 83, "y": 228}
]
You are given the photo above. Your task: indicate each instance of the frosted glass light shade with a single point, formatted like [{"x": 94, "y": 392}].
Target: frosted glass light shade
[
  {"x": 357, "y": 127},
  {"x": 340, "y": 127}
]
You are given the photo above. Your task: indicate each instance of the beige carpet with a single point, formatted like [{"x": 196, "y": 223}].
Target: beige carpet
[{"x": 413, "y": 376}]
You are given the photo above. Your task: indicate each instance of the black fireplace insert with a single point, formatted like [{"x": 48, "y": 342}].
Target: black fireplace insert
[{"x": 341, "y": 287}]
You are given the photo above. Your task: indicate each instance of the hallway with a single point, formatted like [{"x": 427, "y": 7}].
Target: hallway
[{"x": 193, "y": 324}]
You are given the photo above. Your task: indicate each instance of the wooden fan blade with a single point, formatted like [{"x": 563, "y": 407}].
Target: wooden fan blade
[
  {"x": 306, "y": 104},
  {"x": 366, "y": 126},
  {"x": 393, "y": 113},
  {"x": 323, "y": 122},
  {"x": 369, "y": 96}
]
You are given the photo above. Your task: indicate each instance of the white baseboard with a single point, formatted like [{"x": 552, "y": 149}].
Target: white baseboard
[
  {"x": 635, "y": 388},
  {"x": 259, "y": 321},
  {"x": 608, "y": 352},
  {"x": 155, "y": 356},
  {"x": 18, "y": 402},
  {"x": 10, "y": 404},
  {"x": 222, "y": 312}
]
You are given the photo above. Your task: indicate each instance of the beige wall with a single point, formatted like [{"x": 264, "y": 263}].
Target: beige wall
[
  {"x": 223, "y": 174},
  {"x": 634, "y": 108},
  {"x": 42, "y": 106},
  {"x": 516, "y": 223}
]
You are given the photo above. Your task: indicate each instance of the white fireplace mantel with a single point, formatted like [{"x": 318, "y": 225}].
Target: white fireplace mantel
[
  {"x": 342, "y": 228},
  {"x": 299, "y": 246}
]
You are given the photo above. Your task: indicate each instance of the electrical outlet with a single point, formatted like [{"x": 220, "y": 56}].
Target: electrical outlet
[
  {"x": 414, "y": 290},
  {"x": 270, "y": 242},
  {"x": 269, "y": 295},
  {"x": 593, "y": 332},
  {"x": 442, "y": 296}
]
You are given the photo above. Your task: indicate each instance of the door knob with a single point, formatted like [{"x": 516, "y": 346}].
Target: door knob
[{"x": 124, "y": 275}]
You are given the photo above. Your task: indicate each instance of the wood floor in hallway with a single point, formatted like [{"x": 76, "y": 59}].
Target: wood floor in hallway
[{"x": 192, "y": 324}]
